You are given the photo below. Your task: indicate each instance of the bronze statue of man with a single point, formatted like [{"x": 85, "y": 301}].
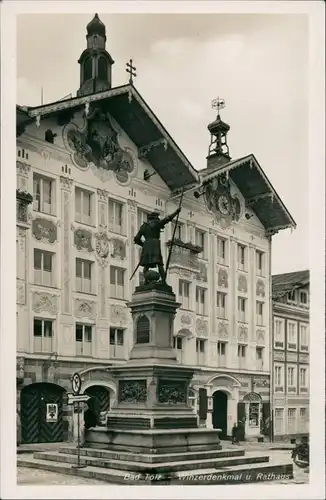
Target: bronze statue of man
[{"x": 148, "y": 237}]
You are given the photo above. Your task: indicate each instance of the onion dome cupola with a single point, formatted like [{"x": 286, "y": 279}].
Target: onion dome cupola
[
  {"x": 95, "y": 62},
  {"x": 218, "y": 152}
]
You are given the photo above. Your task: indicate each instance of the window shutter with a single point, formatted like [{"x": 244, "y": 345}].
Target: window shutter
[{"x": 202, "y": 404}]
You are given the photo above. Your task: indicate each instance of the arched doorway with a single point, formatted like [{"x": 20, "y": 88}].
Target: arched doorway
[
  {"x": 220, "y": 412},
  {"x": 100, "y": 400},
  {"x": 42, "y": 413}
]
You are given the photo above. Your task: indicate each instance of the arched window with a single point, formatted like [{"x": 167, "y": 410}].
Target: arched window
[
  {"x": 142, "y": 330},
  {"x": 102, "y": 68},
  {"x": 88, "y": 70}
]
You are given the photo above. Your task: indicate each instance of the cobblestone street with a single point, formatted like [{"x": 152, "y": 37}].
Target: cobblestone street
[{"x": 27, "y": 476}]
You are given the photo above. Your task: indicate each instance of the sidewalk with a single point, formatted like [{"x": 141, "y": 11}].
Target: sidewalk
[
  {"x": 30, "y": 448},
  {"x": 255, "y": 446}
]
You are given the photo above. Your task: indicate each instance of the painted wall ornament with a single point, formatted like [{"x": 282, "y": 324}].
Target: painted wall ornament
[
  {"x": 45, "y": 302},
  {"x": 185, "y": 319},
  {"x": 202, "y": 275},
  {"x": 243, "y": 334},
  {"x": 83, "y": 240},
  {"x": 85, "y": 309},
  {"x": 226, "y": 207},
  {"x": 242, "y": 283},
  {"x": 201, "y": 327},
  {"x": 260, "y": 337},
  {"x": 260, "y": 288},
  {"x": 102, "y": 247},
  {"x": 223, "y": 330},
  {"x": 118, "y": 314},
  {"x": 118, "y": 248},
  {"x": 222, "y": 278},
  {"x": 96, "y": 144}
]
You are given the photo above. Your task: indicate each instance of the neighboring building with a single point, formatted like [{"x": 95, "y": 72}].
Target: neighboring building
[
  {"x": 290, "y": 354},
  {"x": 94, "y": 166}
]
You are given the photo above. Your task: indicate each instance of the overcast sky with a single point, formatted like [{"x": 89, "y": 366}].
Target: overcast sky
[{"x": 257, "y": 63}]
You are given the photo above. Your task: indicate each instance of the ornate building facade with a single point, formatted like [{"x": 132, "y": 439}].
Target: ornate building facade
[
  {"x": 290, "y": 343},
  {"x": 89, "y": 170}
]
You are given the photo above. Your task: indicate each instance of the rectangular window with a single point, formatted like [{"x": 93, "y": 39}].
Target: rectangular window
[
  {"x": 201, "y": 351},
  {"x": 177, "y": 345},
  {"x": 292, "y": 330},
  {"x": 43, "y": 335},
  {"x": 184, "y": 294},
  {"x": 221, "y": 353},
  {"x": 292, "y": 379},
  {"x": 221, "y": 250},
  {"x": 303, "y": 420},
  {"x": 43, "y": 272},
  {"x": 83, "y": 206},
  {"x": 242, "y": 309},
  {"x": 221, "y": 305},
  {"x": 84, "y": 276},
  {"x": 242, "y": 351},
  {"x": 179, "y": 232},
  {"x": 83, "y": 340},
  {"x": 304, "y": 341},
  {"x": 116, "y": 217},
  {"x": 259, "y": 263},
  {"x": 279, "y": 420},
  {"x": 117, "y": 279},
  {"x": 260, "y": 313},
  {"x": 259, "y": 358},
  {"x": 117, "y": 343},
  {"x": 279, "y": 378},
  {"x": 279, "y": 333},
  {"x": 142, "y": 216},
  {"x": 43, "y": 191},
  {"x": 292, "y": 296},
  {"x": 292, "y": 420},
  {"x": 200, "y": 300},
  {"x": 303, "y": 380},
  {"x": 241, "y": 257},
  {"x": 200, "y": 238}
]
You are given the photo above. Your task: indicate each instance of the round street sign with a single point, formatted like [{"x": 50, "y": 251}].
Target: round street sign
[{"x": 76, "y": 384}]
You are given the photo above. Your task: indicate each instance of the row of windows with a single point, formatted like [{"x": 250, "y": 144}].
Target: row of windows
[
  {"x": 221, "y": 303},
  {"x": 43, "y": 332},
  {"x": 222, "y": 352},
  {"x": 43, "y": 192},
  {"x": 297, "y": 420},
  {"x": 279, "y": 379},
  {"x": 294, "y": 328},
  {"x": 298, "y": 296}
]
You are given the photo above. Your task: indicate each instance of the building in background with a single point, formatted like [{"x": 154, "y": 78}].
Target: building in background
[
  {"x": 291, "y": 354},
  {"x": 89, "y": 170}
]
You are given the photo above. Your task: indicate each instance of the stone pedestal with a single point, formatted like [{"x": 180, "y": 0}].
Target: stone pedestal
[{"x": 153, "y": 413}]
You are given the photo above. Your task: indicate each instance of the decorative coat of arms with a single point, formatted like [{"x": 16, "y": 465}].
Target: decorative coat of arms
[{"x": 96, "y": 143}]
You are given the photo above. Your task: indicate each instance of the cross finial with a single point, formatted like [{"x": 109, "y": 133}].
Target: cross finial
[
  {"x": 218, "y": 104},
  {"x": 131, "y": 70}
]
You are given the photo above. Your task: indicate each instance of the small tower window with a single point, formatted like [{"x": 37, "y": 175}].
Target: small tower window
[
  {"x": 102, "y": 68},
  {"x": 50, "y": 136},
  {"x": 88, "y": 70}
]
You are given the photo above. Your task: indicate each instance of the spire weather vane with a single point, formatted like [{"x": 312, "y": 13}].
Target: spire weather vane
[
  {"x": 131, "y": 70},
  {"x": 218, "y": 104}
]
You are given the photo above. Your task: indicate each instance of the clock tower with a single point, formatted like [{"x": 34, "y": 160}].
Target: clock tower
[
  {"x": 95, "y": 62},
  {"x": 218, "y": 152}
]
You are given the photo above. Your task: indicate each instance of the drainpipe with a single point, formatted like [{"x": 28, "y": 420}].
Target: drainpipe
[{"x": 271, "y": 344}]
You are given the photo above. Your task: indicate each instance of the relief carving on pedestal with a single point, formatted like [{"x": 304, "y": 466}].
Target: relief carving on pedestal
[
  {"x": 83, "y": 240},
  {"x": 260, "y": 288},
  {"x": 44, "y": 230},
  {"x": 201, "y": 328},
  {"x": 242, "y": 283},
  {"x": 85, "y": 309},
  {"x": 118, "y": 248},
  {"x": 260, "y": 337},
  {"x": 43, "y": 301},
  {"x": 243, "y": 334},
  {"x": 20, "y": 292},
  {"x": 223, "y": 330},
  {"x": 118, "y": 314},
  {"x": 132, "y": 391},
  {"x": 222, "y": 278},
  {"x": 172, "y": 392}
]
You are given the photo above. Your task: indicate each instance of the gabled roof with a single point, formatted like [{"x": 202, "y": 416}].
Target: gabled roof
[
  {"x": 139, "y": 122},
  {"x": 284, "y": 283},
  {"x": 257, "y": 190}
]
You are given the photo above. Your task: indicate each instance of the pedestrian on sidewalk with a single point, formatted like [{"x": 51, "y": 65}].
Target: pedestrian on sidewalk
[{"x": 235, "y": 433}]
